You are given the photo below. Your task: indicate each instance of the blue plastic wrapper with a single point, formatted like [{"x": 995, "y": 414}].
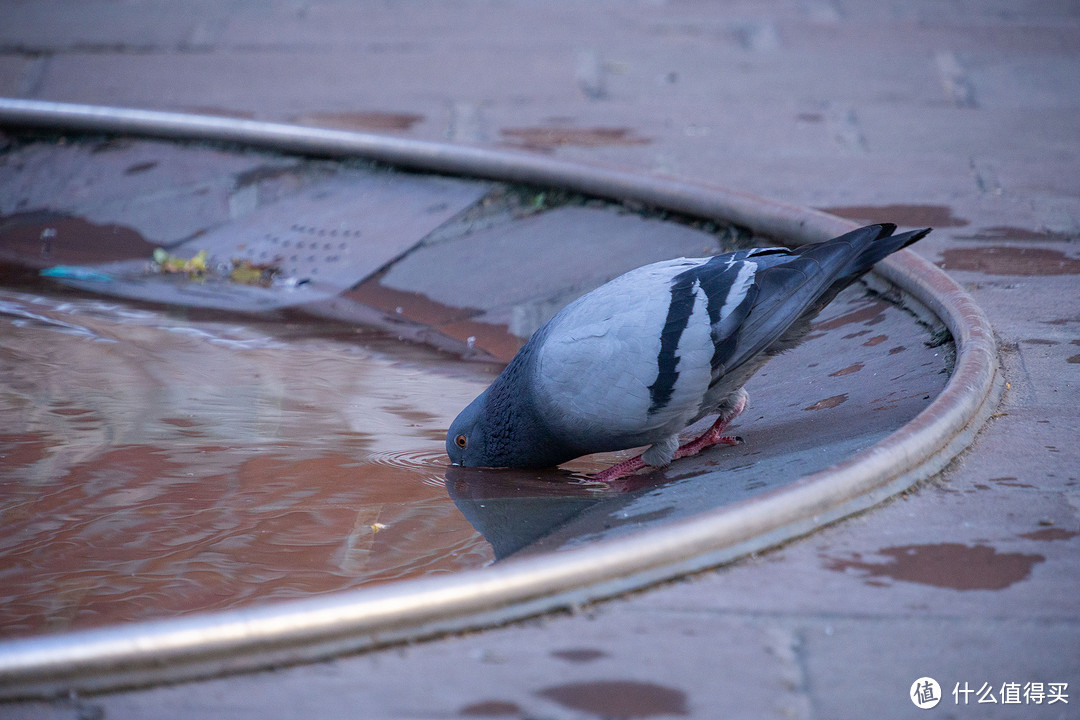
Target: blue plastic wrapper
[{"x": 76, "y": 272}]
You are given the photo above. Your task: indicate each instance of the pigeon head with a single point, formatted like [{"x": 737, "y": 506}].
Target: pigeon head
[
  {"x": 466, "y": 442},
  {"x": 502, "y": 428}
]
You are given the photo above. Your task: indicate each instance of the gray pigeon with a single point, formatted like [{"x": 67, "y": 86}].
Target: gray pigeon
[{"x": 640, "y": 358}]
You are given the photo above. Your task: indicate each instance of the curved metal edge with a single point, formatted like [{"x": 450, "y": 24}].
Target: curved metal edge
[{"x": 310, "y": 629}]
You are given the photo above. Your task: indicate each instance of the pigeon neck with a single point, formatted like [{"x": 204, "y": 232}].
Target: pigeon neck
[{"x": 517, "y": 435}]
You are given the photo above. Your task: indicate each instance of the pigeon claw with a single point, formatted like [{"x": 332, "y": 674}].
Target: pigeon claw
[
  {"x": 713, "y": 436},
  {"x": 620, "y": 470}
]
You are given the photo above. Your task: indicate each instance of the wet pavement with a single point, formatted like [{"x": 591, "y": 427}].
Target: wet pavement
[{"x": 959, "y": 116}]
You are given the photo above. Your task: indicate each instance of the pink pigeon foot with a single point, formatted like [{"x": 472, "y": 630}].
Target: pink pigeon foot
[
  {"x": 621, "y": 470},
  {"x": 713, "y": 436}
]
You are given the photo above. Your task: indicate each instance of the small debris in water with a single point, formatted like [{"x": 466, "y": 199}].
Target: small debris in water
[
  {"x": 249, "y": 273},
  {"x": 75, "y": 272},
  {"x": 195, "y": 267},
  {"x": 238, "y": 270},
  {"x": 290, "y": 283}
]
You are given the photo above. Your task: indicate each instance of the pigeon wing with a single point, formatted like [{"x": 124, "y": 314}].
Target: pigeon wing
[
  {"x": 789, "y": 284},
  {"x": 608, "y": 356}
]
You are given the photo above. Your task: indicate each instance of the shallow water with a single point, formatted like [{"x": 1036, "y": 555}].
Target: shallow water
[{"x": 154, "y": 463}]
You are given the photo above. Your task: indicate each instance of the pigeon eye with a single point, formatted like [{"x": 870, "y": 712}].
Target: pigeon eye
[{"x": 461, "y": 441}]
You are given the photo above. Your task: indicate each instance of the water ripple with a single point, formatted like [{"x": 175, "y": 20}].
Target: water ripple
[
  {"x": 23, "y": 317},
  {"x": 429, "y": 464}
]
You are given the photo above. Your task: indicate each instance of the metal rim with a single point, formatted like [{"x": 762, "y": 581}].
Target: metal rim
[{"x": 304, "y": 630}]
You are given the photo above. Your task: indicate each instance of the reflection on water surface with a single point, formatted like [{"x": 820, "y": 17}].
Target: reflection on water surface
[{"x": 153, "y": 463}]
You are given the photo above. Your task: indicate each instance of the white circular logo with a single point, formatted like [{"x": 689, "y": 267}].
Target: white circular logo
[{"x": 925, "y": 693}]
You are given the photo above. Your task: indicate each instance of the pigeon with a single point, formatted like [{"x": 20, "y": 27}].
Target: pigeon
[{"x": 642, "y": 357}]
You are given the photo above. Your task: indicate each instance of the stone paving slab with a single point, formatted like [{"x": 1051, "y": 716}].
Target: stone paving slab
[
  {"x": 508, "y": 272},
  {"x": 12, "y": 72},
  {"x": 166, "y": 194}
]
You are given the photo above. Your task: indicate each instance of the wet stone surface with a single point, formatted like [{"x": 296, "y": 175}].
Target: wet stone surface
[
  {"x": 37, "y": 240},
  {"x": 619, "y": 698},
  {"x": 946, "y": 565},
  {"x": 165, "y": 193},
  {"x": 1010, "y": 260}
]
